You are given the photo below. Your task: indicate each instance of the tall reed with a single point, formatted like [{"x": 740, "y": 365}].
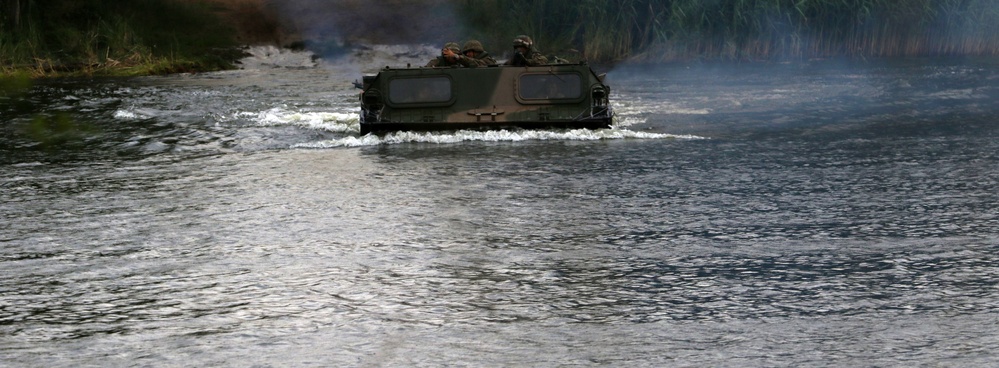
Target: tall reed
[
  {"x": 662, "y": 30},
  {"x": 91, "y": 36}
]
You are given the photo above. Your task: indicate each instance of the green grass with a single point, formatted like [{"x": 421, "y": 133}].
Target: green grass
[
  {"x": 114, "y": 37},
  {"x": 665, "y": 30},
  {"x": 136, "y": 37}
]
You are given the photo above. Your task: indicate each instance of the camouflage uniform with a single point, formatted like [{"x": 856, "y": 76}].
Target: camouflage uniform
[
  {"x": 530, "y": 58},
  {"x": 481, "y": 57},
  {"x": 442, "y": 61}
]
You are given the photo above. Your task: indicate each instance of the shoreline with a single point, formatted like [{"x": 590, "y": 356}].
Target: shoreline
[{"x": 327, "y": 29}]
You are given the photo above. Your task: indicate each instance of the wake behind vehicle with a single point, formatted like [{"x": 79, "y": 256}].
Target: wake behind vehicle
[{"x": 483, "y": 98}]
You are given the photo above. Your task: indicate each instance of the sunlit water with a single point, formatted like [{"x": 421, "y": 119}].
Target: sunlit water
[{"x": 814, "y": 214}]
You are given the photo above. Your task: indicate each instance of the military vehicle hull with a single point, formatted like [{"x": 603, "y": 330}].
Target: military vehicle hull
[{"x": 484, "y": 98}]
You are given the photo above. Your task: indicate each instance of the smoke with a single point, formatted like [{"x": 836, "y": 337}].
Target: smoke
[{"x": 332, "y": 28}]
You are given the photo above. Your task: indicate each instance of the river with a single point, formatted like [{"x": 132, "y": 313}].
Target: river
[{"x": 808, "y": 214}]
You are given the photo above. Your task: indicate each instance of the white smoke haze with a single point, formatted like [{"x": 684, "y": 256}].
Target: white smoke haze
[
  {"x": 369, "y": 59},
  {"x": 332, "y": 28}
]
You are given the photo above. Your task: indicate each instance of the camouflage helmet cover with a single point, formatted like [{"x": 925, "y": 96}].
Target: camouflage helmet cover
[
  {"x": 453, "y": 46},
  {"x": 523, "y": 40},
  {"x": 473, "y": 45}
]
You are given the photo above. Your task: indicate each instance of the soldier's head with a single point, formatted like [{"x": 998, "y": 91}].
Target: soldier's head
[
  {"x": 472, "y": 48},
  {"x": 453, "y": 46},
  {"x": 523, "y": 43}
]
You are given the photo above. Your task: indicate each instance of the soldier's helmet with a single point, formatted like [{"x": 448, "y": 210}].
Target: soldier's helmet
[
  {"x": 523, "y": 41},
  {"x": 453, "y": 46},
  {"x": 473, "y": 45}
]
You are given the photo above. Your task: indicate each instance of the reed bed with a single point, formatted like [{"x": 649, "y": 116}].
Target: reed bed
[
  {"x": 665, "y": 30},
  {"x": 158, "y": 36},
  {"x": 56, "y": 37}
]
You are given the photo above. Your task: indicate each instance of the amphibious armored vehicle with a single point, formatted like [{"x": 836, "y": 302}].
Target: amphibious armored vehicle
[{"x": 493, "y": 97}]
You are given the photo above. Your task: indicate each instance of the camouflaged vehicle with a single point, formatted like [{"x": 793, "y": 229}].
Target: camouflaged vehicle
[{"x": 493, "y": 97}]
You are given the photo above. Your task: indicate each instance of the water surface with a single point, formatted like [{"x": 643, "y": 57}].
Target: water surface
[{"x": 817, "y": 214}]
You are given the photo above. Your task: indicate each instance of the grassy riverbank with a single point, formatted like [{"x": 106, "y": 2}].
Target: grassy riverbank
[
  {"x": 666, "y": 30},
  {"x": 659, "y": 31},
  {"x": 109, "y": 37},
  {"x": 123, "y": 37}
]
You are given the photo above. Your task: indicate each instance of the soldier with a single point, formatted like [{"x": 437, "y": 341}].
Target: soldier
[
  {"x": 475, "y": 55},
  {"x": 525, "y": 54},
  {"x": 449, "y": 56}
]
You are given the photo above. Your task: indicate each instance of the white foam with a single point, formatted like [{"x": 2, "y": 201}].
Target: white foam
[
  {"x": 329, "y": 121},
  {"x": 126, "y": 115},
  {"x": 263, "y": 57},
  {"x": 135, "y": 114},
  {"x": 629, "y": 120},
  {"x": 489, "y": 136}
]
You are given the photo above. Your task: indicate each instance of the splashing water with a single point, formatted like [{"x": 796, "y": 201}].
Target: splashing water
[
  {"x": 833, "y": 218},
  {"x": 284, "y": 89}
]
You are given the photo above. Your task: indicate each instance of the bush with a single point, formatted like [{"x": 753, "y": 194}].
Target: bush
[
  {"x": 662, "y": 30},
  {"x": 111, "y": 36}
]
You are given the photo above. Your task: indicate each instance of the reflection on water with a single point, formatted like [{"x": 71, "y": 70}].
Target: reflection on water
[{"x": 750, "y": 216}]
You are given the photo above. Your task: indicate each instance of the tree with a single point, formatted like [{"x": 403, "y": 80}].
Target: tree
[{"x": 13, "y": 10}]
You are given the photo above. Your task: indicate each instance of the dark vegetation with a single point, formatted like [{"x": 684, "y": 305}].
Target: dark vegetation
[
  {"x": 129, "y": 37},
  {"x": 120, "y": 37},
  {"x": 668, "y": 30}
]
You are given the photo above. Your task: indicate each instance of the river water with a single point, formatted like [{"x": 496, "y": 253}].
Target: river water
[{"x": 808, "y": 214}]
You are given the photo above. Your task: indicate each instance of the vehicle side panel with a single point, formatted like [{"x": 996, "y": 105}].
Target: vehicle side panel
[{"x": 483, "y": 98}]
